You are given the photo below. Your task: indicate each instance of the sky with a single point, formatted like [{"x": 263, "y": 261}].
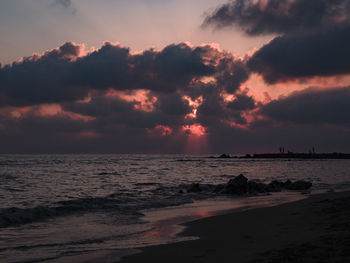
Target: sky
[
  {"x": 138, "y": 24},
  {"x": 152, "y": 76}
]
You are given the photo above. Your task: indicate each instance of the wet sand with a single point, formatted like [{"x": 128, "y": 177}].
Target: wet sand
[{"x": 316, "y": 229}]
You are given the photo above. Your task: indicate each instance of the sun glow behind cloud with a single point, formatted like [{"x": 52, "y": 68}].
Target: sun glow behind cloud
[
  {"x": 160, "y": 130},
  {"x": 194, "y": 104},
  {"x": 264, "y": 93},
  {"x": 142, "y": 98},
  {"x": 194, "y": 130},
  {"x": 45, "y": 110},
  {"x": 196, "y": 139}
]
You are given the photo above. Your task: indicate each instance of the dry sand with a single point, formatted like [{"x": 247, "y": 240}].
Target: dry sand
[{"x": 316, "y": 229}]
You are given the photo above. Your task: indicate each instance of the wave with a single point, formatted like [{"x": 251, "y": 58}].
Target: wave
[
  {"x": 121, "y": 203},
  {"x": 130, "y": 202},
  {"x": 108, "y": 173},
  {"x": 147, "y": 184},
  {"x": 15, "y": 216},
  {"x": 189, "y": 160},
  {"x": 7, "y": 177}
]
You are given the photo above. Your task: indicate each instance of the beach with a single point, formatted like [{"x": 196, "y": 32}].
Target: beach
[{"x": 315, "y": 229}]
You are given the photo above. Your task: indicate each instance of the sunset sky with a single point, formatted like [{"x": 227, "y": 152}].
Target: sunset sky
[{"x": 174, "y": 76}]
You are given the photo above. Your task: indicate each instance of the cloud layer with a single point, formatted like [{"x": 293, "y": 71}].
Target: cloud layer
[
  {"x": 313, "y": 36},
  {"x": 66, "y": 74},
  {"x": 312, "y": 106},
  {"x": 186, "y": 98},
  {"x": 323, "y": 53},
  {"x": 256, "y": 17},
  {"x": 113, "y": 94}
]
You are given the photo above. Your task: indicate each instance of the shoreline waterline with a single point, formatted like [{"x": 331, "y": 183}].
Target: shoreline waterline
[
  {"x": 169, "y": 224},
  {"x": 278, "y": 233}
]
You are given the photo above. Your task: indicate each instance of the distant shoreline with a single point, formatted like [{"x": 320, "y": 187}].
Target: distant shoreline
[{"x": 289, "y": 155}]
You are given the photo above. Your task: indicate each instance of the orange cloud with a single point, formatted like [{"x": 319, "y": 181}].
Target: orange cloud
[
  {"x": 45, "y": 110},
  {"x": 56, "y": 110},
  {"x": 235, "y": 125},
  {"x": 194, "y": 104},
  {"x": 194, "y": 130},
  {"x": 264, "y": 93},
  {"x": 142, "y": 98},
  {"x": 196, "y": 139},
  {"x": 161, "y": 130}
]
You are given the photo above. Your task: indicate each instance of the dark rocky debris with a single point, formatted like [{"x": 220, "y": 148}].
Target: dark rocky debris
[
  {"x": 240, "y": 185},
  {"x": 224, "y": 155}
]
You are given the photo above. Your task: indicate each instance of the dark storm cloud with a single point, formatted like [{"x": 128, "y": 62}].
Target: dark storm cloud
[
  {"x": 103, "y": 68},
  {"x": 64, "y": 74},
  {"x": 114, "y": 66},
  {"x": 212, "y": 110},
  {"x": 215, "y": 109},
  {"x": 100, "y": 107},
  {"x": 173, "y": 104},
  {"x": 170, "y": 110},
  {"x": 40, "y": 79},
  {"x": 242, "y": 102},
  {"x": 181, "y": 62},
  {"x": 324, "y": 53},
  {"x": 112, "y": 100},
  {"x": 58, "y": 134},
  {"x": 298, "y": 122},
  {"x": 231, "y": 74},
  {"x": 117, "y": 128},
  {"x": 314, "y": 35},
  {"x": 256, "y": 17},
  {"x": 312, "y": 106}
]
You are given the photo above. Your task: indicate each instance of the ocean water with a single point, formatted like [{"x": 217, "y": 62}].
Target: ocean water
[{"x": 54, "y": 207}]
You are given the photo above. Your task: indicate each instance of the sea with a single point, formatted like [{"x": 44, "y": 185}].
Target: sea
[{"x": 69, "y": 208}]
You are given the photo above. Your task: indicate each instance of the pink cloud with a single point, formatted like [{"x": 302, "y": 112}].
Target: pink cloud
[
  {"x": 142, "y": 99},
  {"x": 160, "y": 130},
  {"x": 194, "y": 130}
]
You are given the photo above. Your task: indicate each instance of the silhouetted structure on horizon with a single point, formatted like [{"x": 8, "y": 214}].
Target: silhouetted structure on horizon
[{"x": 290, "y": 155}]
